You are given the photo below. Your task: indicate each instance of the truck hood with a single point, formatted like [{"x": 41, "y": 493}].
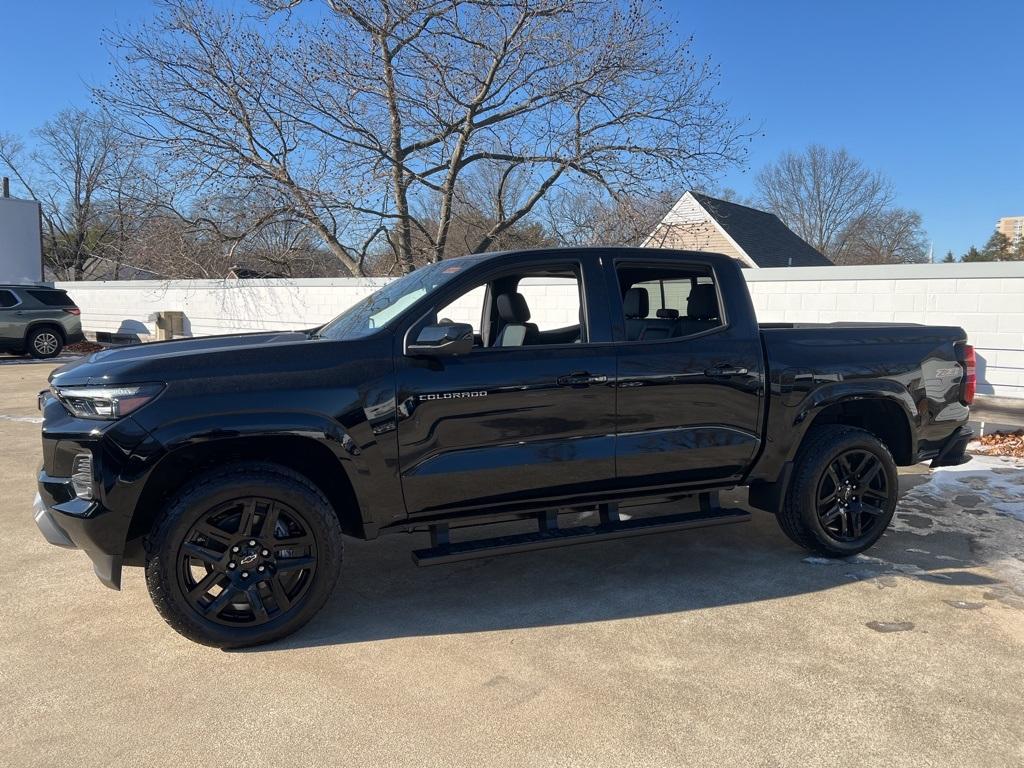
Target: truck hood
[{"x": 169, "y": 360}]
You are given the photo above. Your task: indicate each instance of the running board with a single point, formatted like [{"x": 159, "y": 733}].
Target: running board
[{"x": 549, "y": 535}]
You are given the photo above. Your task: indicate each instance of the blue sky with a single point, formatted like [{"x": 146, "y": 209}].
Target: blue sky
[{"x": 931, "y": 93}]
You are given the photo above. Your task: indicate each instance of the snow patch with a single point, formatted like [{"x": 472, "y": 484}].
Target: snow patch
[{"x": 982, "y": 499}]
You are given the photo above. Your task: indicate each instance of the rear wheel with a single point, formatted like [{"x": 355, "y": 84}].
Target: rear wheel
[
  {"x": 843, "y": 493},
  {"x": 243, "y": 556},
  {"x": 45, "y": 342}
]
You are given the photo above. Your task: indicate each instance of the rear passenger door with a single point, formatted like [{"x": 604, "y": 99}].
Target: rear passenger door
[{"x": 689, "y": 376}]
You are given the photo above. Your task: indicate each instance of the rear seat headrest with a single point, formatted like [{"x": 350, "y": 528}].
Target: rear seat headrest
[
  {"x": 703, "y": 303},
  {"x": 635, "y": 303},
  {"x": 668, "y": 314}
]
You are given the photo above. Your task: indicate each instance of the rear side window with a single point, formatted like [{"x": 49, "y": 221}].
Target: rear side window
[
  {"x": 7, "y": 299},
  {"x": 667, "y": 302},
  {"x": 52, "y": 298}
]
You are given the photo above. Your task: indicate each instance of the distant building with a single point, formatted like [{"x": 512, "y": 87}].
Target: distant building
[
  {"x": 21, "y": 257},
  {"x": 1012, "y": 227},
  {"x": 756, "y": 238}
]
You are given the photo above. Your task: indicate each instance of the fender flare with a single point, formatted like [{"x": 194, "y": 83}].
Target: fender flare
[
  {"x": 769, "y": 494},
  {"x": 166, "y": 445},
  {"x": 855, "y": 391}
]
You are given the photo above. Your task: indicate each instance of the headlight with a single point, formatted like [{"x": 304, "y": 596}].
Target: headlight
[{"x": 106, "y": 402}]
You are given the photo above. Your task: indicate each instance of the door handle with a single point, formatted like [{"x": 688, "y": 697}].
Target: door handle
[
  {"x": 721, "y": 371},
  {"x": 580, "y": 380}
]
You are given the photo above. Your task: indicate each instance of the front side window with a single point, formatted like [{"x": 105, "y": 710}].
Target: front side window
[
  {"x": 522, "y": 310},
  {"x": 668, "y": 302}
]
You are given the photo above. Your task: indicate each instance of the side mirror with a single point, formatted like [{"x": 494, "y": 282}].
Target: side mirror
[{"x": 442, "y": 341}]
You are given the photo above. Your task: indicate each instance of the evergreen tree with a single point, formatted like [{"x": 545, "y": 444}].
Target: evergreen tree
[
  {"x": 973, "y": 254},
  {"x": 997, "y": 248},
  {"x": 950, "y": 258},
  {"x": 1018, "y": 250}
]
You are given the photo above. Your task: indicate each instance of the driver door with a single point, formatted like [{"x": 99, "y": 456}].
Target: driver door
[{"x": 505, "y": 425}]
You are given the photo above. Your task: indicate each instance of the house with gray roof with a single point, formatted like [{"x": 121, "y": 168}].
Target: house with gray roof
[{"x": 757, "y": 239}]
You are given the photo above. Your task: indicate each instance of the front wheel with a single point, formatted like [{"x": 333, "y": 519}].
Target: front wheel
[
  {"x": 843, "y": 493},
  {"x": 243, "y": 556}
]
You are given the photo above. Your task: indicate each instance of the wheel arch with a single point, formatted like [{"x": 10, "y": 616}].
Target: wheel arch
[
  {"x": 45, "y": 323},
  {"x": 884, "y": 417},
  {"x": 304, "y": 455},
  {"x": 881, "y": 413}
]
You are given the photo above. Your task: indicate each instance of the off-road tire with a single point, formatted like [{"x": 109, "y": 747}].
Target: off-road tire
[
  {"x": 799, "y": 518},
  {"x": 192, "y": 502}
]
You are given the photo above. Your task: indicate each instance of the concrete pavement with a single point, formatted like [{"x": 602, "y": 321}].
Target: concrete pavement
[{"x": 724, "y": 647}]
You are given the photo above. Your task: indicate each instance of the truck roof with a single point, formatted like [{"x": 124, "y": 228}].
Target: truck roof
[{"x": 625, "y": 250}]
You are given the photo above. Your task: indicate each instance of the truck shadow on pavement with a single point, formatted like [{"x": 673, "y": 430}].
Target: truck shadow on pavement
[{"x": 382, "y": 595}]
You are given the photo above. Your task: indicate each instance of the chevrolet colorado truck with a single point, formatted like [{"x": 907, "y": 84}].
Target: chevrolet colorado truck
[{"x": 479, "y": 390}]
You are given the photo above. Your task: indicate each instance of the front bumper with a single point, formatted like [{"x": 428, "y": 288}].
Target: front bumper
[
  {"x": 123, "y": 453},
  {"x": 77, "y": 524},
  {"x": 52, "y": 532}
]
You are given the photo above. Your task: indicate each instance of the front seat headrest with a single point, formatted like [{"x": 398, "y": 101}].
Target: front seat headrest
[
  {"x": 668, "y": 314},
  {"x": 512, "y": 308},
  {"x": 635, "y": 303},
  {"x": 703, "y": 303}
]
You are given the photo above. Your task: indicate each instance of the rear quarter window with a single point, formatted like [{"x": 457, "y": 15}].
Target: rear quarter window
[
  {"x": 52, "y": 298},
  {"x": 7, "y": 299}
]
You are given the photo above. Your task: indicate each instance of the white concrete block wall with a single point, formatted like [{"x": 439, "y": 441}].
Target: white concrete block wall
[
  {"x": 987, "y": 300},
  {"x": 216, "y": 306}
]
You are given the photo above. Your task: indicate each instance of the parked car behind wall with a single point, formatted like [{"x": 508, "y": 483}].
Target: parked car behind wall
[{"x": 37, "y": 320}]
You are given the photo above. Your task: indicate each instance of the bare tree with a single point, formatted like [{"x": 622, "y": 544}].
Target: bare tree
[
  {"x": 586, "y": 217},
  {"x": 362, "y": 113},
  {"x": 482, "y": 198},
  {"x": 894, "y": 236},
  {"x": 69, "y": 173},
  {"x": 824, "y": 195}
]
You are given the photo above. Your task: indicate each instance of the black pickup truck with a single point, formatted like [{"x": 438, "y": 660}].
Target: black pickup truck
[{"x": 230, "y": 467}]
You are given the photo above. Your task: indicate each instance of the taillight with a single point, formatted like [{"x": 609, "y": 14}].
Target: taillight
[
  {"x": 72, "y": 310},
  {"x": 970, "y": 380}
]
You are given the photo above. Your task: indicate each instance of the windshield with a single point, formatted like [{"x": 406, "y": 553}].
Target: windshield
[{"x": 381, "y": 307}]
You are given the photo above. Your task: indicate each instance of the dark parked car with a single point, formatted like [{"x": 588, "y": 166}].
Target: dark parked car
[
  {"x": 230, "y": 467},
  {"x": 37, "y": 320}
]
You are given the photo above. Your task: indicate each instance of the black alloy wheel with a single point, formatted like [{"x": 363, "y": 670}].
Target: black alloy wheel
[
  {"x": 843, "y": 491},
  {"x": 243, "y": 555},
  {"x": 247, "y": 561},
  {"x": 853, "y": 495}
]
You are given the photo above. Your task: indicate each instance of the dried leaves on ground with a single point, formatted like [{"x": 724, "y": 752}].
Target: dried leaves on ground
[
  {"x": 84, "y": 347},
  {"x": 1001, "y": 444}
]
